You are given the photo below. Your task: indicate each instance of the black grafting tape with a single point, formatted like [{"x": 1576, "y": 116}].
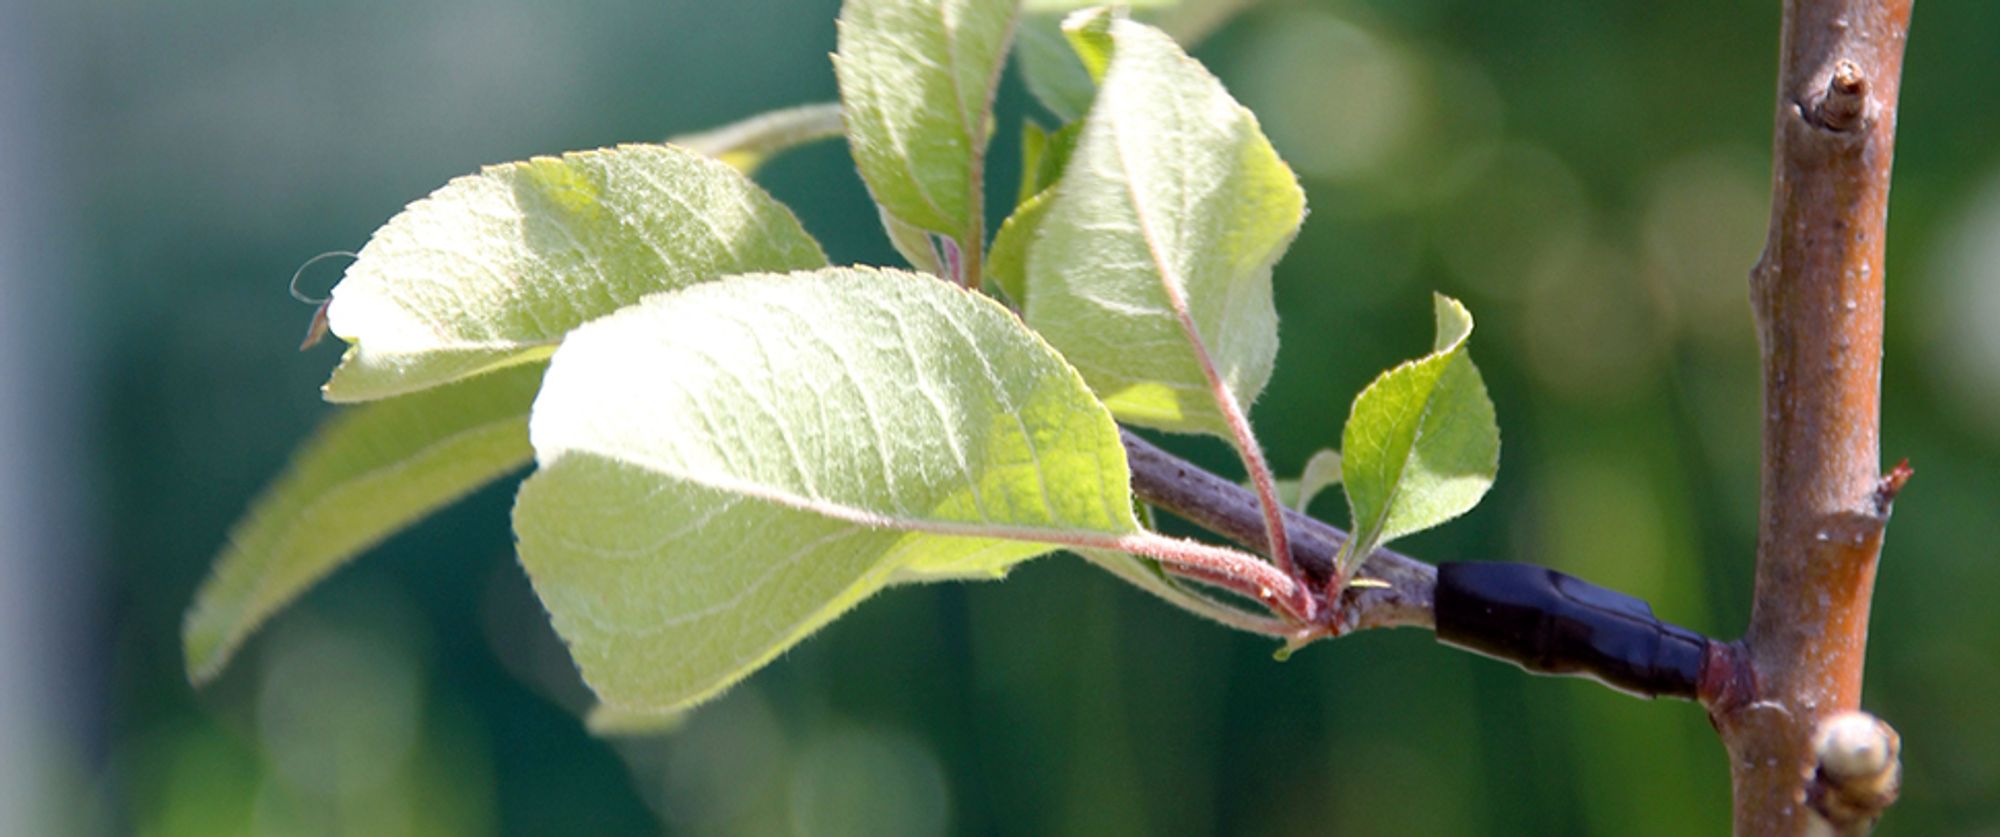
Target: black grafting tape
[{"x": 1551, "y": 623}]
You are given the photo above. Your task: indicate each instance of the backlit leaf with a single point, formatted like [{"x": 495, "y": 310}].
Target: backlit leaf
[
  {"x": 365, "y": 475},
  {"x": 494, "y": 268},
  {"x": 1044, "y": 155},
  {"x": 727, "y": 468},
  {"x": 1421, "y": 446},
  {"x": 1152, "y": 269},
  {"x": 917, "y": 80}
]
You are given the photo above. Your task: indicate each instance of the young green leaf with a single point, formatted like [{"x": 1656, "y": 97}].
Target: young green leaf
[
  {"x": 1050, "y": 69},
  {"x": 747, "y": 144},
  {"x": 917, "y": 80},
  {"x": 1044, "y": 156},
  {"x": 917, "y": 247},
  {"x": 365, "y": 475},
  {"x": 1421, "y": 446},
  {"x": 1321, "y": 471},
  {"x": 494, "y": 268},
  {"x": 1152, "y": 269},
  {"x": 727, "y": 468},
  {"x": 1007, "y": 264}
]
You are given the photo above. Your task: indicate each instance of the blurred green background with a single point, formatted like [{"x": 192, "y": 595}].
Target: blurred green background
[{"x": 1590, "y": 176}]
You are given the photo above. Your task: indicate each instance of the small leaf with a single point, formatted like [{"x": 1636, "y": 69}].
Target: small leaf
[
  {"x": 1152, "y": 269},
  {"x": 747, "y": 144},
  {"x": 1421, "y": 446},
  {"x": 1044, "y": 157},
  {"x": 917, "y": 247},
  {"x": 1322, "y": 470},
  {"x": 1051, "y": 69},
  {"x": 1007, "y": 264},
  {"x": 1034, "y": 143},
  {"x": 365, "y": 475},
  {"x": 917, "y": 80},
  {"x": 494, "y": 268},
  {"x": 820, "y": 435}
]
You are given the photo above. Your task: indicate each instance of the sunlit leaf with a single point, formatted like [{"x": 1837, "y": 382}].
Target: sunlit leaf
[
  {"x": 1053, "y": 71},
  {"x": 368, "y": 473},
  {"x": 917, "y": 80},
  {"x": 1421, "y": 446},
  {"x": 1152, "y": 269},
  {"x": 747, "y": 144},
  {"x": 494, "y": 268},
  {"x": 727, "y": 468}
]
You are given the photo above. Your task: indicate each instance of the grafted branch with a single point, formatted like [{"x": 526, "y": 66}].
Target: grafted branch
[
  {"x": 1817, "y": 295},
  {"x": 1225, "y": 508}
]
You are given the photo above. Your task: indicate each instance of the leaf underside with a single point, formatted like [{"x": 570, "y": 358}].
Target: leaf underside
[
  {"x": 1151, "y": 270},
  {"x": 494, "y": 268},
  {"x": 916, "y": 81},
  {"x": 820, "y": 435}
]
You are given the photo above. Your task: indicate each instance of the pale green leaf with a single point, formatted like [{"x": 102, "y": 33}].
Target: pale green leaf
[
  {"x": 1421, "y": 445},
  {"x": 918, "y": 248},
  {"x": 1321, "y": 471},
  {"x": 727, "y": 468},
  {"x": 494, "y": 268},
  {"x": 612, "y": 722},
  {"x": 1044, "y": 155},
  {"x": 917, "y": 80},
  {"x": 1051, "y": 69},
  {"x": 1152, "y": 270},
  {"x": 366, "y": 474},
  {"x": 747, "y": 144},
  {"x": 1007, "y": 263}
]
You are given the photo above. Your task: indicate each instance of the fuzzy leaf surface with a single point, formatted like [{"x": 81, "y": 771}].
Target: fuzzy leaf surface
[
  {"x": 495, "y": 268},
  {"x": 821, "y": 435},
  {"x": 1421, "y": 445},
  {"x": 1044, "y": 155},
  {"x": 366, "y": 474},
  {"x": 1152, "y": 268},
  {"x": 916, "y": 81}
]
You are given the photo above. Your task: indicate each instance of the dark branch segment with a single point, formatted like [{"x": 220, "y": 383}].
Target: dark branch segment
[
  {"x": 1551, "y": 623},
  {"x": 1399, "y": 593}
]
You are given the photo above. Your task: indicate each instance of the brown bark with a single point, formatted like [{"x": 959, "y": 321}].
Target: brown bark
[
  {"x": 1401, "y": 596},
  {"x": 1817, "y": 294}
]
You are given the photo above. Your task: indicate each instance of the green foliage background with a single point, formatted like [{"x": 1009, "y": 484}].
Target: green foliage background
[{"x": 1589, "y": 177}]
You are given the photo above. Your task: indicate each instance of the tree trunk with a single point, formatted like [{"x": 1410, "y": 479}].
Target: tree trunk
[{"x": 1817, "y": 294}]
